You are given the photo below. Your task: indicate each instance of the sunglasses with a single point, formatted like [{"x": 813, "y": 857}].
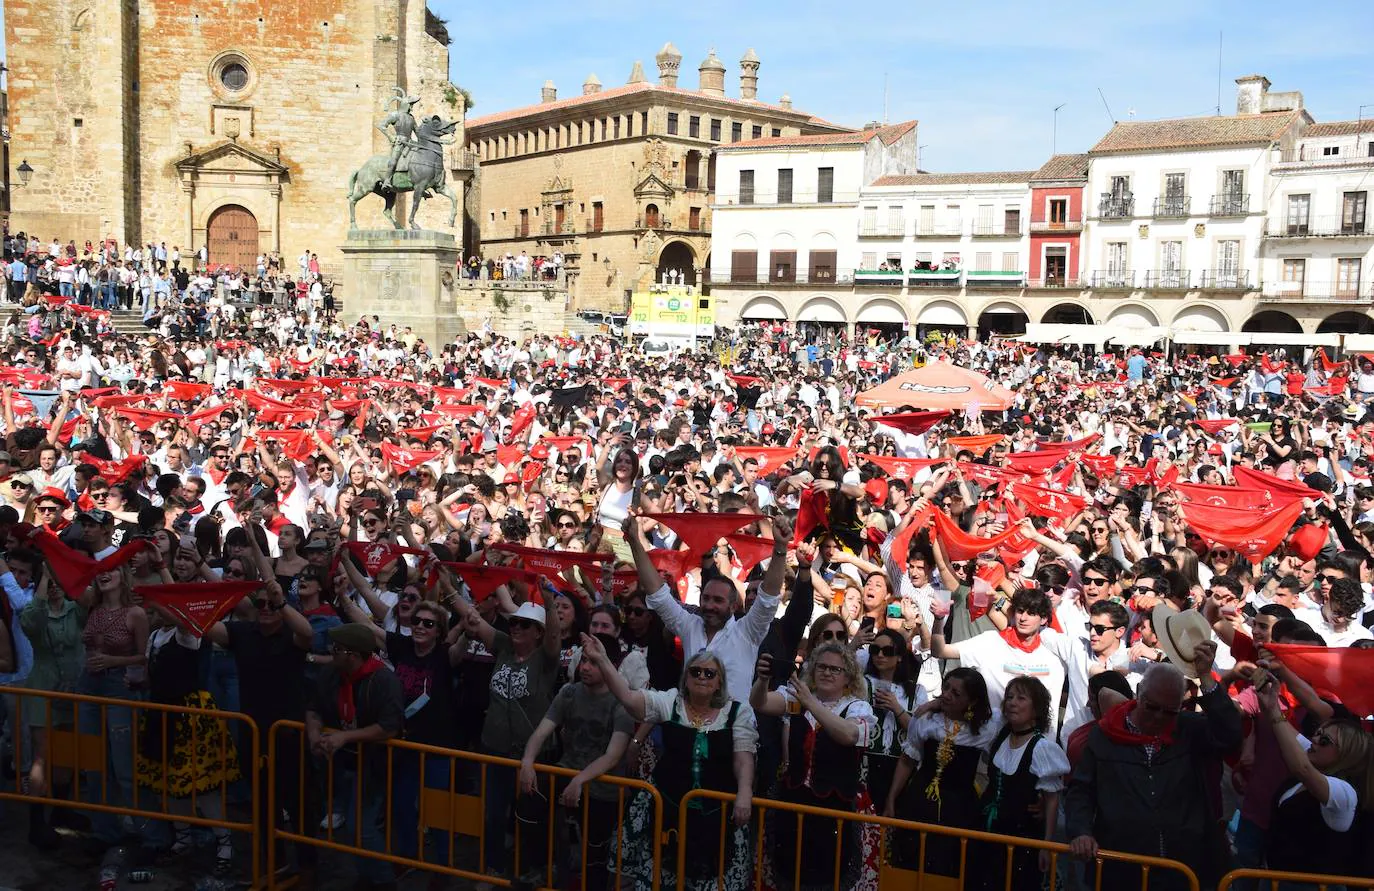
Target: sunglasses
[
  {"x": 1140, "y": 589},
  {"x": 834, "y": 634},
  {"x": 265, "y": 605},
  {"x": 47, "y": 508},
  {"x": 372, "y": 521},
  {"x": 1221, "y": 554},
  {"x": 425, "y": 623},
  {"x": 827, "y": 668},
  {"x": 567, "y": 525},
  {"x": 233, "y": 573},
  {"x": 521, "y": 624},
  {"x": 1329, "y": 579},
  {"x": 99, "y": 496},
  {"x": 875, "y": 650},
  {"x": 20, "y": 486},
  {"x": 701, "y": 673},
  {"x": 1101, "y": 629},
  {"x": 408, "y": 597},
  {"x": 1094, "y": 581},
  {"x": 635, "y": 610}
]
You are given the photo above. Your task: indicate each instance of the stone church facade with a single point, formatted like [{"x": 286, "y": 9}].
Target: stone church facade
[{"x": 229, "y": 123}]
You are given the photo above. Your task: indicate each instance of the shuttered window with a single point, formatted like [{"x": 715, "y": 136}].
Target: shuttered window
[{"x": 744, "y": 266}]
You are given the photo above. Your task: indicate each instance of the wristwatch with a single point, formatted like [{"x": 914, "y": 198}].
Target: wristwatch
[{"x": 310, "y": 658}]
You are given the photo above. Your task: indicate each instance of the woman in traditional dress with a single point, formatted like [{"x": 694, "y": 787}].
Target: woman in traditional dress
[{"x": 709, "y": 742}]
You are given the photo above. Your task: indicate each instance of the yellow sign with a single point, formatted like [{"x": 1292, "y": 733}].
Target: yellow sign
[{"x": 672, "y": 311}]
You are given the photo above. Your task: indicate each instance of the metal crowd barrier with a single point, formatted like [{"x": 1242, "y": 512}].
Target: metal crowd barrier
[
  {"x": 1274, "y": 880},
  {"x": 90, "y": 762},
  {"x": 892, "y": 878},
  {"x": 454, "y": 811}
]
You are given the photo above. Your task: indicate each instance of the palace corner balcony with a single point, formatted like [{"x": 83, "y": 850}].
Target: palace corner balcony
[
  {"x": 1333, "y": 226},
  {"x": 1317, "y": 292}
]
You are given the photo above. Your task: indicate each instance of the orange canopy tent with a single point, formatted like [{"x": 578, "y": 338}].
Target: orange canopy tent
[{"x": 938, "y": 385}]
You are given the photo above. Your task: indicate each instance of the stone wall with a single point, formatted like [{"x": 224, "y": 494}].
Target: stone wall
[
  {"x": 321, "y": 75},
  {"x": 515, "y": 309}
]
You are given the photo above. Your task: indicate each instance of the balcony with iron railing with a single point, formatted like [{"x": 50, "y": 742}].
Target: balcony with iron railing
[
  {"x": 650, "y": 222},
  {"x": 592, "y": 224},
  {"x": 1115, "y": 207},
  {"x": 1225, "y": 280},
  {"x": 1168, "y": 279},
  {"x": 462, "y": 161},
  {"x": 888, "y": 278},
  {"x": 868, "y": 229},
  {"x": 552, "y": 228},
  {"x": 798, "y": 277},
  {"x": 1173, "y": 207},
  {"x": 996, "y": 230},
  {"x": 1113, "y": 278},
  {"x": 1055, "y": 282},
  {"x": 994, "y": 278},
  {"x": 1229, "y": 205},
  {"x": 1317, "y": 292},
  {"x": 941, "y": 229},
  {"x": 1333, "y": 226},
  {"x": 767, "y": 198},
  {"x": 937, "y": 277},
  {"x": 1045, "y": 227}
]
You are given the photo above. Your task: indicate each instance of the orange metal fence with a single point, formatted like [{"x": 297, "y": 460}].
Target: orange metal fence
[
  {"x": 95, "y": 764},
  {"x": 451, "y": 811},
  {"x": 764, "y": 872},
  {"x": 1273, "y": 880}
]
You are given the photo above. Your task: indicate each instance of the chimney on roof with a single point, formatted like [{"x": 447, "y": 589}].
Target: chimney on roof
[
  {"x": 591, "y": 85},
  {"x": 669, "y": 61},
  {"x": 785, "y": 102},
  {"x": 636, "y": 73},
  {"x": 711, "y": 75},
  {"x": 549, "y": 93},
  {"x": 1250, "y": 91},
  {"x": 749, "y": 76}
]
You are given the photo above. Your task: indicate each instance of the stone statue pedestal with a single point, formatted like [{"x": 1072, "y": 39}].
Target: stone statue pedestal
[{"x": 405, "y": 277}]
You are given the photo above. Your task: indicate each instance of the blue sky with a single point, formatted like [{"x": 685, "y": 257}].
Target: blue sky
[{"x": 983, "y": 78}]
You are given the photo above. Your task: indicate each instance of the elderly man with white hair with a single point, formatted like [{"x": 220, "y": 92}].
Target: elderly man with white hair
[{"x": 1147, "y": 781}]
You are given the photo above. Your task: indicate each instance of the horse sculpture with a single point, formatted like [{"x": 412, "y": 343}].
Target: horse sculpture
[{"x": 420, "y": 170}]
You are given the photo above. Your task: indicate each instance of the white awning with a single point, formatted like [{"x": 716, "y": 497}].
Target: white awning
[
  {"x": 1284, "y": 338},
  {"x": 1133, "y": 336},
  {"x": 1131, "y": 317},
  {"x": 1359, "y": 343},
  {"x": 822, "y": 311},
  {"x": 941, "y": 314},
  {"x": 764, "y": 308},
  {"x": 1210, "y": 338},
  {"x": 882, "y": 312},
  {"x": 1198, "y": 319},
  {"x": 1049, "y": 332}
]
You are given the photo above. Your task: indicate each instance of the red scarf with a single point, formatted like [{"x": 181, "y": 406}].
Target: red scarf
[
  {"x": 348, "y": 709},
  {"x": 1014, "y": 640},
  {"x": 1114, "y": 725}
]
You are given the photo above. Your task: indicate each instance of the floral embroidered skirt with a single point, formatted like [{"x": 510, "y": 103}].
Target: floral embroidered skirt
[
  {"x": 199, "y": 751},
  {"x": 705, "y": 867}
]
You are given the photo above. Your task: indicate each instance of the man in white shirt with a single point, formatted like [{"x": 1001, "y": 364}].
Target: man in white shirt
[
  {"x": 1342, "y": 601},
  {"x": 735, "y": 643}
]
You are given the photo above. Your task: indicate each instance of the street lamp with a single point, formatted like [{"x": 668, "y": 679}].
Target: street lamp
[{"x": 25, "y": 173}]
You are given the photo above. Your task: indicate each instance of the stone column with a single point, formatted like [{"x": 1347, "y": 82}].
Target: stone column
[
  {"x": 276, "y": 219},
  {"x": 190, "y": 189}
]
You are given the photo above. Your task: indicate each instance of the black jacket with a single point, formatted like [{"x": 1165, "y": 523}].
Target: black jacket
[{"x": 1162, "y": 808}]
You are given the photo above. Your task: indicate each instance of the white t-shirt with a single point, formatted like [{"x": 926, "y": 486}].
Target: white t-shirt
[
  {"x": 1353, "y": 631},
  {"x": 999, "y": 662},
  {"x": 1339, "y": 811}
]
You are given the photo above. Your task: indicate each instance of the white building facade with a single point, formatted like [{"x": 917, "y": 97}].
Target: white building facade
[{"x": 1220, "y": 230}]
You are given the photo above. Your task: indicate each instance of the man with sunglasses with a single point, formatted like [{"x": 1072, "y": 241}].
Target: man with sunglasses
[
  {"x": 1341, "y": 601},
  {"x": 269, "y": 652}
]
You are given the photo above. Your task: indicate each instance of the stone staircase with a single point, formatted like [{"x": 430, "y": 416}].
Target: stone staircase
[{"x": 128, "y": 322}]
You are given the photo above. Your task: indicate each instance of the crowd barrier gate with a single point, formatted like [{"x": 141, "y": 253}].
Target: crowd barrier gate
[{"x": 89, "y": 760}]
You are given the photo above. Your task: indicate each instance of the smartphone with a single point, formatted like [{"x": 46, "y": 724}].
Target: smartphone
[
  {"x": 405, "y": 495},
  {"x": 867, "y": 623},
  {"x": 367, "y": 504},
  {"x": 894, "y": 610}
]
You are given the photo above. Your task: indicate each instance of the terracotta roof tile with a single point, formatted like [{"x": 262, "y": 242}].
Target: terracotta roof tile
[
  {"x": 1063, "y": 167},
  {"x": 1340, "y": 128},
  {"x": 888, "y": 135},
  {"x": 1183, "y": 133},
  {"x": 955, "y": 179},
  {"x": 630, "y": 90}
]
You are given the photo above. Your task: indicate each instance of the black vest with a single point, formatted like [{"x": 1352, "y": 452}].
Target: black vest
[
  {"x": 1300, "y": 841},
  {"x": 833, "y": 768},
  {"x": 1008, "y": 798},
  {"x": 712, "y": 761}
]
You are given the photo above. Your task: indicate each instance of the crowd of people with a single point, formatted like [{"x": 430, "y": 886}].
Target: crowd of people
[{"x": 1127, "y": 612}]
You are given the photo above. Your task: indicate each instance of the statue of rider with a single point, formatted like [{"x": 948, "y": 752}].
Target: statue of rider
[{"x": 402, "y": 122}]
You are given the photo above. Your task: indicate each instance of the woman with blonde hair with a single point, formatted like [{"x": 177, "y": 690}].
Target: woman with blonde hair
[
  {"x": 828, "y": 725},
  {"x": 1331, "y": 788}
]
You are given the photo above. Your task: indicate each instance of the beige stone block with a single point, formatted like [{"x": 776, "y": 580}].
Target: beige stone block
[{"x": 404, "y": 277}]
